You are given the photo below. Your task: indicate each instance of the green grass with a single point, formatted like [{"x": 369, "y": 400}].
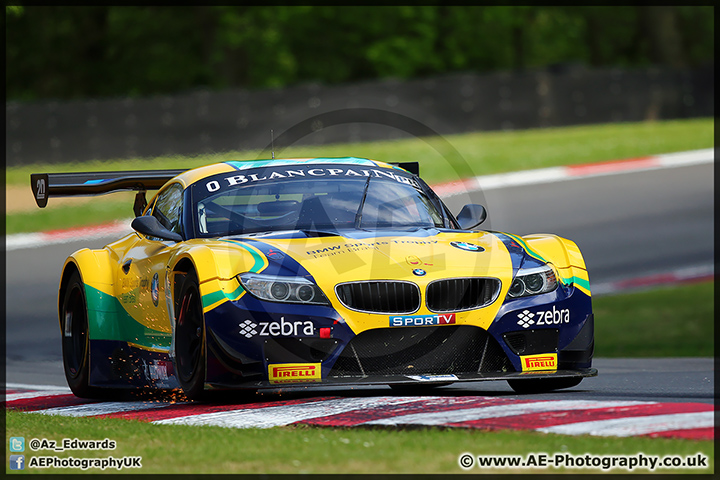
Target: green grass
[
  {"x": 663, "y": 322},
  {"x": 44, "y": 219},
  {"x": 185, "y": 449},
  {"x": 441, "y": 158}
]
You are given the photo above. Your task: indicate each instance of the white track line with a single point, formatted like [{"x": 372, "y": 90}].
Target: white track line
[
  {"x": 632, "y": 426},
  {"x": 41, "y": 239},
  {"x": 103, "y": 408},
  {"x": 284, "y": 415},
  {"x": 681, "y": 275},
  {"x": 527, "y": 177},
  {"x": 576, "y": 172},
  {"x": 496, "y": 411},
  {"x": 287, "y": 414},
  {"x": 693, "y": 157},
  {"x": 11, "y": 397},
  {"x": 26, "y": 386}
]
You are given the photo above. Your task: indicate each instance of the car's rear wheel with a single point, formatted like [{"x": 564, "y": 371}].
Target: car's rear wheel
[
  {"x": 190, "y": 338},
  {"x": 538, "y": 385},
  {"x": 75, "y": 338}
]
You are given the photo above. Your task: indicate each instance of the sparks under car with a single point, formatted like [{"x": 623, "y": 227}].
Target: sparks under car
[{"x": 343, "y": 271}]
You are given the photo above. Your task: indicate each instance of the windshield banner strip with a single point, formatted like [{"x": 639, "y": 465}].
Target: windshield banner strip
[{"x": 301, "y": 172}]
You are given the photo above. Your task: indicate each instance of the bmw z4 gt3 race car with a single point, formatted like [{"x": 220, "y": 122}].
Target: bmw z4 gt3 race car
[{"x": 299, "y": 272}]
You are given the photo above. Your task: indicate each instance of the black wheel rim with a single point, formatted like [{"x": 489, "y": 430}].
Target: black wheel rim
[
  {"x": 189, "y": 336},
  {"x": 75, "y": 332}
]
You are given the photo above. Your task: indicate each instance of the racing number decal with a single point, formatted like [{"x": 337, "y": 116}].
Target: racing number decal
[{"x": 40, "y": 195}]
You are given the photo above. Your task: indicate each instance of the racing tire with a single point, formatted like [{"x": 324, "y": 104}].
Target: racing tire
[
  {"x": 190, "y": 345},
  {"x": 76, "y": 341},
  {"x": 543, "y": 385}
]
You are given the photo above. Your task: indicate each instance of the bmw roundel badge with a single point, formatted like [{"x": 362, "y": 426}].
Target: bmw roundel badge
[
  {"x": 419, "y": 272},
  {"x": 469, "y": 247}
]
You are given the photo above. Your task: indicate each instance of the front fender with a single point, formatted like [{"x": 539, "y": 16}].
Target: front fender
[
  {"x": 217, "y": 267},
  {"x": 565, "y": 255}
]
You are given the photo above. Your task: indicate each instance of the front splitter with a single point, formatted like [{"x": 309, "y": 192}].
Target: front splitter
[{"x": 412, "y": 379}]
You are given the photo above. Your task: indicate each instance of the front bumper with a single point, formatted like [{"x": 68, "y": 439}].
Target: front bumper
[{"x": 242, "y": 349}]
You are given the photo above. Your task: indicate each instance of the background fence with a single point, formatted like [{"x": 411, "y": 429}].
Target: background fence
[{"x": 206, "y": 122}]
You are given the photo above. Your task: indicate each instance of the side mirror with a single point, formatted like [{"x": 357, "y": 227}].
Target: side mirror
[
  {"x": 471, "y": 216},
  {"x": 151, "y": 227}
]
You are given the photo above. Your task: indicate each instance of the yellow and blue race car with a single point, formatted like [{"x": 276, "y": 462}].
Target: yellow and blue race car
[{"x": 321, "y": 271}]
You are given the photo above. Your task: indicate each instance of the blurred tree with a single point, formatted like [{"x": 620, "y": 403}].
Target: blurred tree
[
  {"x": 89, "y": 51},
  {"x": 13, "y": 10},
  {"x": 661, "y": 29},
  {"x": 697, "y": 25},
  {"x": 406, "y": 45},
  {"x": 252, "y": 46},
  {"x": 604, "y": 35},
  {"x": 153, "y": 50}
]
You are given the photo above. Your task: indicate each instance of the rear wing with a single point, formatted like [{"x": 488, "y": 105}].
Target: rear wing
[{"x": 46, "y": 185}]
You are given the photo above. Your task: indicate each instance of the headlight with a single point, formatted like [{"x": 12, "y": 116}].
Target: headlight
[
  {"x": 282, "y": 289},
  {"x": 533, "y": 281}
]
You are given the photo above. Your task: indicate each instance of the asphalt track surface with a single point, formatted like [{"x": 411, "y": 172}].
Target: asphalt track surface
[{"x": 627, "y": 225}]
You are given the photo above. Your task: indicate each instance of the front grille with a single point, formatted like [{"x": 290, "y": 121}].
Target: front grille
[
  {"x": 379, "y": 296},
  {"x": 421, "y": 351},
  {"x": 457, "y": 294}
]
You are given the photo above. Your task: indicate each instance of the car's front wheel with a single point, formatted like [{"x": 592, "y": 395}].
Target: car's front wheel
[
  {"x": 190, "y": 338},
  {"x": 75, "y": 338},
  {"x": 538, "y": 385}
]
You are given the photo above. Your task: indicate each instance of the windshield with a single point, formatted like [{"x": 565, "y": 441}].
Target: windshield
[{"x": 273, "y": 200}]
